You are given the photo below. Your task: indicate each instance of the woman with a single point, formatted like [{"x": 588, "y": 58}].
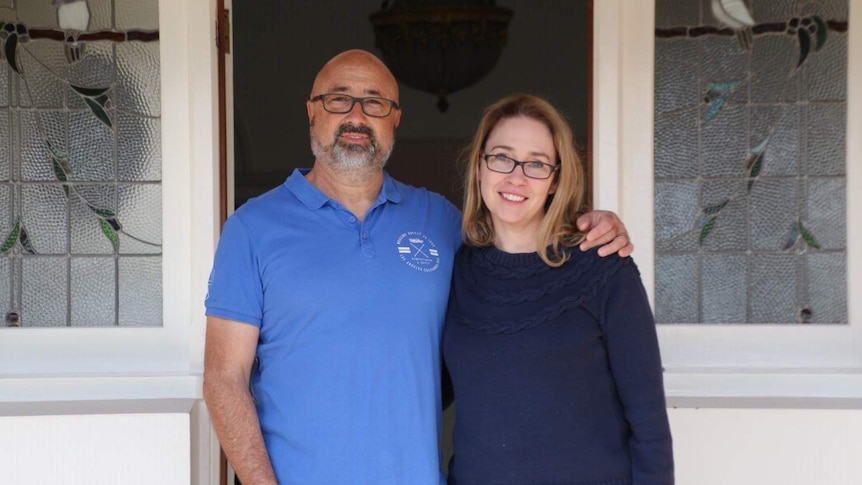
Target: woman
[{"x": 552, "y": 351}]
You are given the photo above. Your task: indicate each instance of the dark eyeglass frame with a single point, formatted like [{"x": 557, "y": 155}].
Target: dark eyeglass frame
[
  {"x": 361, "y": 101},
  {"x": 517, "y": 163}
]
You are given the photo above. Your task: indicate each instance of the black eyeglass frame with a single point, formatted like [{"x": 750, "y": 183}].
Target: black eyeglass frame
[
  {"x": 361, "y": 100},
  {"x": 523, "y": 165}
]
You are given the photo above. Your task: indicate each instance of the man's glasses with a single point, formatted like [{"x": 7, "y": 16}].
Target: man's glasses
[
  {"x": 343, "y": 103},
  {"x": 497, "y": 162}
]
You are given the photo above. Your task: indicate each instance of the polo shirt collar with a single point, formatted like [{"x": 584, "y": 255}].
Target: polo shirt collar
[{"x": 314, "y": 199}]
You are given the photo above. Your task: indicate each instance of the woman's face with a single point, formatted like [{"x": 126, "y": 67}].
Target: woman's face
[{"x": 515, "y": 201}]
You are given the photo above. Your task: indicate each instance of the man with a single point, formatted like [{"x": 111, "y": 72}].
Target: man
[{"x": 327, "y": 299}]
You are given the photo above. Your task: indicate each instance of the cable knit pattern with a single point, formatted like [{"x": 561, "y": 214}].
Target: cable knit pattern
[
  {"x": 494, "y": 277},
  {"x": 556, "y": 373}
]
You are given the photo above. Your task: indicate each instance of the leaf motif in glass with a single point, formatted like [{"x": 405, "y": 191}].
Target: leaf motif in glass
[
  {"x": 11, "y": 49},
  {"x": 707, "y": 228},
  {"x": 822, "y": 32},
  {"x": 808, "y": 237},
  {"x": 12, "y": 238},
  {"x": 804, "y": 45},
  {"x": 89, "y": 92},
  {"x": 24, "y": 239},
  {"x": 110, "y": 233},
  {"x": 99, "y": 111}
]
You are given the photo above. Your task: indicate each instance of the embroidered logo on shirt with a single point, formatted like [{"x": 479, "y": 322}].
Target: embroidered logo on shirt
[{"x": 418, "y": 251}]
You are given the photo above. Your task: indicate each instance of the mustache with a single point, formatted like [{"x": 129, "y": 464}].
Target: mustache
[{"x": 351, "y": 128}]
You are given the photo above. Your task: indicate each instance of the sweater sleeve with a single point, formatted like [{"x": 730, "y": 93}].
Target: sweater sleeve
[{"x": 633, "y": 353}]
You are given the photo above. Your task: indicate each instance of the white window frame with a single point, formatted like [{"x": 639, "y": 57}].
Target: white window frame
[
  {"x": 37, "y": 363},
  {"x": 706, "y": 364}
]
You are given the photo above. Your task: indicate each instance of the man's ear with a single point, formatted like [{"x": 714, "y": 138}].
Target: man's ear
[
  {"x": 309, "y": 107},
  {"x": 397, "y": 118}
]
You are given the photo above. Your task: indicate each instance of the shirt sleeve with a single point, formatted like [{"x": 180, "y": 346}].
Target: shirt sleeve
[
  {"x": 235, "y": 291},
  {"x": 633, "y": 352}
]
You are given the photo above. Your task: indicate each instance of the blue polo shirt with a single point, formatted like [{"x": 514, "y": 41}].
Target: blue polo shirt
[{"x": 347, "y": 381}]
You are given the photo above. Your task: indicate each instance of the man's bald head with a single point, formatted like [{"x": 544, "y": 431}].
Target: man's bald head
[{"x": 356, "y": 68}]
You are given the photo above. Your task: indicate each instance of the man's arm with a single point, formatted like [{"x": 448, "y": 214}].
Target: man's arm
[
  {"x": 228, "y": 359},
  {"x": 605, "y": 229}
]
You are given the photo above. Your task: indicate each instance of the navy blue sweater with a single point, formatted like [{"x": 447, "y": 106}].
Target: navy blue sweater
[{"x": 556, "y": 373}]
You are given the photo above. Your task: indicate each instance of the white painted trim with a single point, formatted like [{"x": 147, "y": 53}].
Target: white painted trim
[{"x": 623, "y": 167}]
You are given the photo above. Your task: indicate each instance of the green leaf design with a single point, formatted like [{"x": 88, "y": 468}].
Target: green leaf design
[
  {"x": 808, "y": 237},
  {"x": 761, "y": 146},
  {"x": 707, "y": 228},
  {"x": 715, "y": 208},
  {"x": 12, "y": 238},
  {"x": 59, "y": 172},
  {"x": 755, "y": 170},
  {"x": 792, "y": 238},
  {"x": 822, "y": 30},
  {"x": 89, "y": 92},
  {"x": 99, "y": 111},
  {"x": 25, "y": 241},
  {"x": 804, "y": 45},
  {"x": 11, "y": 50},
  {"x": 725, "y": 87},
  {"x": 103, "y": 213},
  {"x": 715, "y": 107},
  {"x": 111, "y": 233}
]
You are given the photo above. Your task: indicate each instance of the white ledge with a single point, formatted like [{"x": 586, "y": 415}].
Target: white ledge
[
  {"x": 764, "y": 388},
  {"x": 27, "y": 396}
]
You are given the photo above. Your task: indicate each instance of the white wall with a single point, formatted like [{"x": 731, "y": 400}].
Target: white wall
[
  {"x": 767, "y": 446},
  {"x": 126, "y": 449}
]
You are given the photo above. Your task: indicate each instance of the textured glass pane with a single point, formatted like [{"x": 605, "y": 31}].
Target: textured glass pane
[
  {"x": 37, "y": 130},
  {"x": 138, "y": 77},
  {"x": 729, "y": 230},
  {"x": 140, "y": 148},
  {"x": 826, "y": 206},
  {"x": 93, "y": 287},
  {"x": 676, "y": 145},
  {"x": 92, "y": 148},
  {"x": 141, "y": 291},
  {"x": 724, "y": 289},
  {"x": 676, "y": 289},
  {"x": 36, "y": 14},
  {"x": 677, "y": 211},
  {"x": 780, "y": 126},
  {"x": 754, "y": 188},
  {"x": 825, "y": 138},
  {"x": 677, "y": 13},
  {"x": 774, "y": 214},
  {"x": 725, "y": 143},
  {"x": 43, "y": 212},
  {"x": 138, "y": 15},
  {"x": 101, "y": 14},
  {"x": 826, "y": 73},
  {"x": 676, "y": 75},
  {"x": 769, "y": 60},
  {"x": 7, "y": 217},
  {"x": 723, "y": 62},
  {"x": 140, "y": 211},
  {"x": 94, "y": 70},
  {"x": 773, "y": 289},
  {"x": 827, "y": 287},
  {"x": 5, "y": 85},
  {"x": 43, "y": 89},
  {"x": 87, "y": 234},
  {"x": 44, "y": 292},
  {"x": 5, "y": 145}
]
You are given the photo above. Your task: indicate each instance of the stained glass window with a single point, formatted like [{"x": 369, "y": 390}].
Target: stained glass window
[
  {"x": 80, "y": 163},
  {"x": 750, "y": 137}
]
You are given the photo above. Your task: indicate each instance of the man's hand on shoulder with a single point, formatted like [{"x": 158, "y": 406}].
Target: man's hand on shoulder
[{"x": 605, "y": 229}]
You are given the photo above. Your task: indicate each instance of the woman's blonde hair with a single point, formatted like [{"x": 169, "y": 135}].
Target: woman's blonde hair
[{"x": 562, "y": 208}]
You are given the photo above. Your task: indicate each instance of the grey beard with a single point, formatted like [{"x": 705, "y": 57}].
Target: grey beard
[{"x": 348, "y": 157}]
